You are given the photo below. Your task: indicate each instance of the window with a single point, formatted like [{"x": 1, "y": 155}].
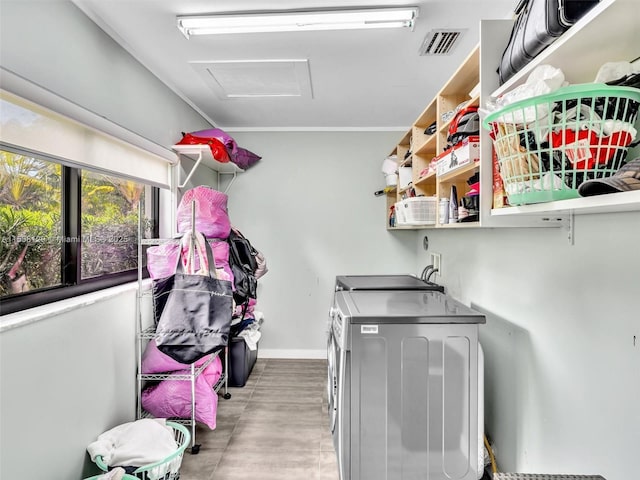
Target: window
[
  {"x": 30, "y": 216},
  {"x": 109, "y": 224},
  {"x": 66, "y": 230},
  {"x": 70, "y": 198}
]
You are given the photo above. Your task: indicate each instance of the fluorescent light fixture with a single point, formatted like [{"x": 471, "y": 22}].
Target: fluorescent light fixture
[{"x": 297, "y": 21}]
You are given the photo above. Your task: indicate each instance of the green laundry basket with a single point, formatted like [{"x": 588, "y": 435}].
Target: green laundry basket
[
  {"x": 166, "y": 469},
  {"x": 548, "y": 145}
]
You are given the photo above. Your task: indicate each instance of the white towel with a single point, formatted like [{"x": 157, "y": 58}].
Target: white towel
[
  {"x": 251, "y": 335},
  {"x": 135, "y": 444},
  {"x": 115, "y": 474}
]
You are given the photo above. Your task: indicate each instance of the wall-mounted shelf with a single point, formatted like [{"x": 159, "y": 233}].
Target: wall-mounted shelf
[
  {"x": 609, "y": 203},
  {"x": 201, "y": 154},
  {"x": 608, "y": 32},
  {"x": 424, "y": 147}
]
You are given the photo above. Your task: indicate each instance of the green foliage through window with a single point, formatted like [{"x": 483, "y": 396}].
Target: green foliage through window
[
  {"x": 34, "y": 246},
  {"x": 30, "y": 212}
]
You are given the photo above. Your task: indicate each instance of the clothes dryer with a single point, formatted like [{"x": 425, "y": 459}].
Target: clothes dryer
[
  {"x": 353, "y": 283},
  {"x": 407, "y": 389}
]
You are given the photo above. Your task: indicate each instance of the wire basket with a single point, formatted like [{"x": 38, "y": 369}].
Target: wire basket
[
  {"x": 548, "y": 145},
  {"x": 417, "y": 211},
  {"x": 166, "y": 469}
]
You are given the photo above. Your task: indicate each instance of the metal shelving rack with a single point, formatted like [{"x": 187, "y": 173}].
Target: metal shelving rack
[{"x": 146, "y": 333}]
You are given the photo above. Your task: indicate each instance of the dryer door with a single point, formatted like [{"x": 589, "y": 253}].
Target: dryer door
[{"x": 332, "y": 381}]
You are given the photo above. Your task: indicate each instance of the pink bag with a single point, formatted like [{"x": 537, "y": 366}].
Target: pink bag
[
  {"x": 161, "y": 260},
  {"x": 212, "y": 219},
  {"x": 172, "y": 398},
  {"x": 154, "y": 361}
]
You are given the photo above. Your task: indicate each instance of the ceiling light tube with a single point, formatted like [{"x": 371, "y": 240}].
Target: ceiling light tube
[{"x": 297, "y": 21}]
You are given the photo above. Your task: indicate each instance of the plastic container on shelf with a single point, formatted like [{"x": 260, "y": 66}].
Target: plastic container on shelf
[
  {"x": 401, "y": 219},
  {"x": 444, "y": 211},
  {"x": 391, "y": 179},
  {"x": 418, "y": 210},
  {"x": 404, "y": 175},
  {"x": 548, "y": 145},
  {"x": 166, "y": 469}
]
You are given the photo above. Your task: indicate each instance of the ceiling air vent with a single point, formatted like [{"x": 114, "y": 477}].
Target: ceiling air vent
[{"x": 440, "y": 42}]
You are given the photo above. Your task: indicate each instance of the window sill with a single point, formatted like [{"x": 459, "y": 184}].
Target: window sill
[{"x": 35, "y": 314}]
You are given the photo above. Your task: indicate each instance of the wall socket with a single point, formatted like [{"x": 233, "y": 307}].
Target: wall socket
[{"x": 436, "y": 261}]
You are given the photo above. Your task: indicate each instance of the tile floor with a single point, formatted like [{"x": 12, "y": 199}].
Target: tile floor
[{"x": 275, "y": 427}]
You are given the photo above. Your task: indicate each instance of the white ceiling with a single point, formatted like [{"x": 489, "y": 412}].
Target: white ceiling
[{"x": 343, "y": 79}]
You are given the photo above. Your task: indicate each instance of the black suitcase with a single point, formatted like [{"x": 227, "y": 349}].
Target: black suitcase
[{"x": 538, "y": 24}]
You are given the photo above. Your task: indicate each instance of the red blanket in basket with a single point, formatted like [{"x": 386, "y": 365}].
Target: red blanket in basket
[{"x": 586, "y": 149}]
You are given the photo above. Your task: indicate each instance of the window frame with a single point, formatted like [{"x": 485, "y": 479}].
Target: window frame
[{"x": 72, "y": 284}]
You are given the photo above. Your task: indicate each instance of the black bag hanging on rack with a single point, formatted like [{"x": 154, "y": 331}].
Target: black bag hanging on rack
[
  {"x": 196, "y": 317},
  {"x": 538, "y": 24},
  {"x": 243, "y": 263}
]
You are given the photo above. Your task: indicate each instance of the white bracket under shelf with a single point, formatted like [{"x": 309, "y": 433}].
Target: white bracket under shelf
[
  {"x": 202, "y": 154},
  {"x": 571, "y": 228}
]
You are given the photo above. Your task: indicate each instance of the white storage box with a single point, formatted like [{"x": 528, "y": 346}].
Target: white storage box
[
  {"x": 462, "y": 154},
  {"x": 418, "y": 210}
]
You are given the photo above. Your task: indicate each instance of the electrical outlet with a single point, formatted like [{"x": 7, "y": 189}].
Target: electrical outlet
[{"x": 436, "y": 261}]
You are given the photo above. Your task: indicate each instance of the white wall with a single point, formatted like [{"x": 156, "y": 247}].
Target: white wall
[
  {"x": 65, "y": 379},
  {"x": 308, "y": 205},
  {"x": 69, "y": 377},
  {"x": 562, "y": 370},
  {"x": 53, "y": 44}
]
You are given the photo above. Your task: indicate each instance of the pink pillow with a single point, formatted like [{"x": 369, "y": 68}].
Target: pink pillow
[
  {"x": 220, "y": 135},
  {"x": 244, "y": 159}
]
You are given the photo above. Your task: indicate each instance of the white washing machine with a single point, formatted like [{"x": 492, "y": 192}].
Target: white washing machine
[{"x": 404, "y": 386}]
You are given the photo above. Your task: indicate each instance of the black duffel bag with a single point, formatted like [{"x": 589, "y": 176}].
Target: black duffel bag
[{"x": 538, "y": 24}]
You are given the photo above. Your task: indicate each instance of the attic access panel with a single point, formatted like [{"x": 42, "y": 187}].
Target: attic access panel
[{"x": 256, "y": 78}]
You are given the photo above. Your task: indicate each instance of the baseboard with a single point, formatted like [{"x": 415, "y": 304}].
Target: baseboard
[{"x": 285, "y": 353}]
